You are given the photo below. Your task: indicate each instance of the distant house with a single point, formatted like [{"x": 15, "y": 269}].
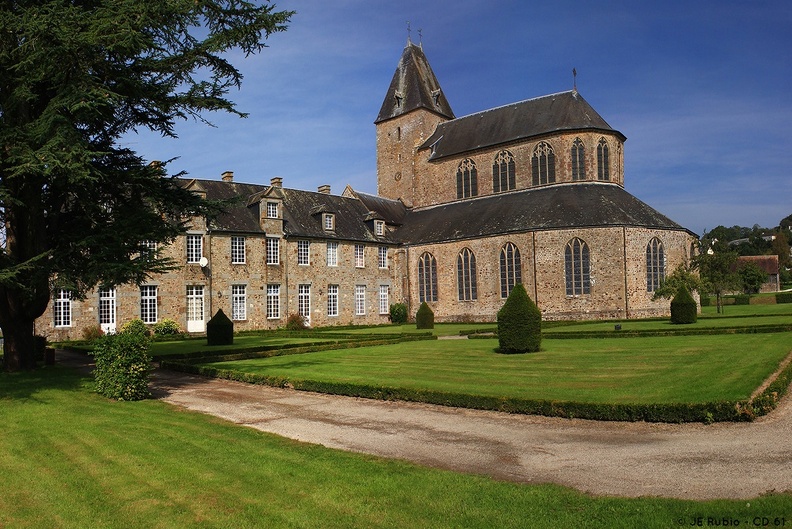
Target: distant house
[{"x": 768, "y": 263}]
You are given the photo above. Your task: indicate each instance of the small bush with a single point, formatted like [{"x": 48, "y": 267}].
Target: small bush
[
  {"x": 220, "y": 329},
  {"x": 783, "y": 297},
  {"x": 166, "y": 328},
  {"x": 92, "y": 333},
  {"x": 398, "y": 313},
  {"x": 742, "y": 299},
  {"x": 519, "y": 323},
  {"x": 683, "y": 307},
  {"x": 123, "y": 365},
  {"x": 424, "y": 318},
  {"x": 135, "y": 326},
  {"x": 296, "y": 322}
]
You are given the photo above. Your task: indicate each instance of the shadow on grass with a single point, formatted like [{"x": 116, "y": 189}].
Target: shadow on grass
[{"x": 30, "y": 385}]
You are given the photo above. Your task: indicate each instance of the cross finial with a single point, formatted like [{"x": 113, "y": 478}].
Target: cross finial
[
  {"x": 420, "y": 38},
  {"x": 574, "y": 79},
  {"x": 409, "y": 39}
]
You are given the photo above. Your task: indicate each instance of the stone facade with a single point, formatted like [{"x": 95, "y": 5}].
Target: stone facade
[{"x": 587, "y": 249}]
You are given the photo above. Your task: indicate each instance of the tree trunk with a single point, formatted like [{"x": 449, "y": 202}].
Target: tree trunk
[{"x": 18, "y": 346}]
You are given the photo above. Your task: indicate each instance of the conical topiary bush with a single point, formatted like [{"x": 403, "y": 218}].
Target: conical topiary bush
[
  {"x": 424, "y": 318},
  {"x": 683, "y": 307},
  {"x": 519, "y": 323}
]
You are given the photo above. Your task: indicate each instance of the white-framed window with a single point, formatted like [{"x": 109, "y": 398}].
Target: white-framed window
[
  {"x": 63, "y": 308},
  {"x": 384, "y": 304},
  {"x": 195, "y": 303},
  {"x": 237, "y": 250},
  {"x": 382, "y": 257},
  {"x": 304, "y": 301},
  {"x": 360, "y": 261},
  {"x": 379, "y": 227},
  {"x": 148, "y": 249},
  {"x": 360, "y": 300},
  {"x": 272, "y": 210},
  {"x": 332, "y": 300},
  {"x": 107, "y": 306},
  {"x": 148, "y": 303},
  {"x": 273, "y": 302},
  {"x": 332, "y": 253},
  {"x": 194, "y": 248},
  {"x": 273, "y": 251},
  {"x": 329, "y": 221},
  {"x": 303, "y": 253},
  {"x": 238, "y": 302}
]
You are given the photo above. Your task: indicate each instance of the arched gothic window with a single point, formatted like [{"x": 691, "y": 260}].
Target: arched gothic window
[
  {"x": 427, "y": 278},
  {"x": 466, "y": 275},
  {"x": 503, "y": 172},
  {"x": 655, "y": 264},
  {"x": 467, "y": 179},
  {"x": 578, "y": 268},
  {"x": 543, "y": 164},
  {"x": 578, "y": 160},
  {"x": 603, "y": 162},
  {"x": 510, "y": 268}
]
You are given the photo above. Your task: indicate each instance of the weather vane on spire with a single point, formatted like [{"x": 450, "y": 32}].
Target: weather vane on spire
[
  {"x": 409, "y": 38},
  {"x": 420, "y": 38},
  {"x": 574, "y": 79}
]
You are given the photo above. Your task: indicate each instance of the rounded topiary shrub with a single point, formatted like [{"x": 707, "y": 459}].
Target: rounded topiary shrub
[
  {"x": 683, "y": 307},
  {"x": 135, "y": 326},
  {"x": 122, "y": 366},
  {"x": 398, "y": 313},
  {"x": 167, "y": 328},
  {"x": 424, "y": 318},
  {"x": 220, "y": 329},
  {"x": 519, "y": 323},
  {"x": 296, "y": 322}
]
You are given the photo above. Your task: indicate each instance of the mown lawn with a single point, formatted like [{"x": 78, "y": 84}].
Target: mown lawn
[
  {"x": 244, "y": 341},
  {"x": 71, "y": 459},
  {"x": 671, "y": 369}
]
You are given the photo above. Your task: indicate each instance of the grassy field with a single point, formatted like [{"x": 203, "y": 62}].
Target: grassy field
[
  {"x": 671, "y": 369},
  {"x": 178, "y": 347},
  {"x": 71, "y": 459}
]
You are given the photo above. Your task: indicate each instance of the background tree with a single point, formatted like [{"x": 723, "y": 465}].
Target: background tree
[
  {"x": 683, "y": 274},
  {"x": 717, "y": 271},
  {"x": 76, "y": 76},
  {"x": 751, "y": 277}
]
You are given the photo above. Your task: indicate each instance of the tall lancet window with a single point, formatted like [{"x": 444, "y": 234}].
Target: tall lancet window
[
  {"x": 603, "y": 160},
  {"x": 467, "y": 179},
  {"x": 578, "y": 156},
  {"x": 503, "y": 170},
  {"x": 543, "y": 164}
]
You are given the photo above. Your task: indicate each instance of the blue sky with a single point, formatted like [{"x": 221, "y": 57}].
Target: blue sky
[{"x": 699, "y": 88}]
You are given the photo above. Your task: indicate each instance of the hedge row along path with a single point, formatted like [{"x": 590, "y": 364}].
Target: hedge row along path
[{"x": 690, "y": 461}]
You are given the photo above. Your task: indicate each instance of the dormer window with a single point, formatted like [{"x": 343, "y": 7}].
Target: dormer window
[
  {"x": 329, "y": 221},
  {"x": 272, "y": 210},
  {"x": 379, "y": 227}
]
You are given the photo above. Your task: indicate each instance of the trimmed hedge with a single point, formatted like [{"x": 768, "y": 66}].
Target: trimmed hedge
[
  {"x": 783, "y": 297},
  {"x": 424, "y": 318},
  {"x": 122, "y": 365},
  {"x": 683, "y": 307},
  {"x": 220, "y": 329},
  {"x": 742, "y": 299},
  {"x": 519, "y": 324}
]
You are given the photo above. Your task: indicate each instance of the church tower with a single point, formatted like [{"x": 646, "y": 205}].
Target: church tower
[{"x": 412, "y": 109}]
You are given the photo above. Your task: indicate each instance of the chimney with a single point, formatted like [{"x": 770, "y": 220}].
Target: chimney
[
  {"x": 324, "y": 189},
  {"x": 276, "y": 181},
  {"x": 228, "y": 176}
]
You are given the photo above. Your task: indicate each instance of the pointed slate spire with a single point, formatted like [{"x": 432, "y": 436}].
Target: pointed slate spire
[{"x": 414, "y": 86}]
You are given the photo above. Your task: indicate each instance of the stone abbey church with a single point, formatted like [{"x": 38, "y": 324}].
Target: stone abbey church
[{"x": 531, "y": 192}]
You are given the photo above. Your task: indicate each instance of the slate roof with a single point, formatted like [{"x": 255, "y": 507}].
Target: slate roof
[
  {"x": 565, "y": 111},
  {"x": 301, "y": 210},
  {"x": 391, "y": 211},
  {"x": 413, "y": 86},
  {"x": 559, "y": 206}
]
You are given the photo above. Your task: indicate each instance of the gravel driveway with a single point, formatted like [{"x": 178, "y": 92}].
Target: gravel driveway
[{"x": 690, "y": 461}]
